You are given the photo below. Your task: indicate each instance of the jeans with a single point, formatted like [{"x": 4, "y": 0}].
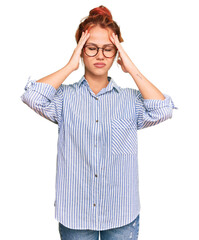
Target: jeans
[{"x": 129, "y": 231}]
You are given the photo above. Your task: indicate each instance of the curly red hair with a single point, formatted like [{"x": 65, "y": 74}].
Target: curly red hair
[{"x": 98, "y": 16}]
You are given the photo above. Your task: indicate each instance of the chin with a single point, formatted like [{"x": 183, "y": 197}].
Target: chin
[{"x": 99, "y": 72}]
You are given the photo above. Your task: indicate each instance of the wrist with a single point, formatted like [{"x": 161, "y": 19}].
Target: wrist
[{"x": 68, "y": 68}]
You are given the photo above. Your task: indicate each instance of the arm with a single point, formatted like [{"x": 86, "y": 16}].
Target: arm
[
  {"x": 150, "y": 112},
  {"x": 45, "y": 96},
  {"x": 57, "y": 78},
  {"x": 152, "y": 107},
  {"x": 147, "y": 89},
  {"x": 44, "y": 99}
]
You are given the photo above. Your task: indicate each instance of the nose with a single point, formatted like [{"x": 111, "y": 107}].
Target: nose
[{"x": 100, "y": 54}]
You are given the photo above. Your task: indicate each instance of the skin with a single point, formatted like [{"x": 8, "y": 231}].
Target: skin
[
  {"x": 147, "y": 89},
  {"x": 97, "y": 77}
]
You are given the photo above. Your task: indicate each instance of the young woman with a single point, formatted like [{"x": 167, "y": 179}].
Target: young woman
[{"x": 97, "y": 167}]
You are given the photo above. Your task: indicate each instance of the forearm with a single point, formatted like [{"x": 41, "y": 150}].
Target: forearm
[
  {"x": 57, "y": 78},
  {"x": 147, "y": 89}
]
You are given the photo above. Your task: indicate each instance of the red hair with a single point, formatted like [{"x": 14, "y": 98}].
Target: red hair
[{"x": 98, "y": 16}]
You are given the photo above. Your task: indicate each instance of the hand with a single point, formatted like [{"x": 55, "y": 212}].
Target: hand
[
  {"x": 123, "y": 58},
  {"x": 74, "y": 60}
]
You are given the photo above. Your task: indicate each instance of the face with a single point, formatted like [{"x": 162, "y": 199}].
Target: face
[{"x": 100, "y": 37}]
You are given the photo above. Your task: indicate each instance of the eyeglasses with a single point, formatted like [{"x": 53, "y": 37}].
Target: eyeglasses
[{"x": 92, "y": 50}]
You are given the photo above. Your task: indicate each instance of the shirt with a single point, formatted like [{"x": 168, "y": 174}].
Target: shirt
[{"x": 97, "y": 183}]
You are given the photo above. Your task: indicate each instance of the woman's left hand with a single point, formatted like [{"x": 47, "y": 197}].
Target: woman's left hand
[{"x": 123, "y": 59}]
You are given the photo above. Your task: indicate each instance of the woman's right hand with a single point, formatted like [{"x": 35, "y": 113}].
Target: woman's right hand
[{"x": 74, "y": 60}]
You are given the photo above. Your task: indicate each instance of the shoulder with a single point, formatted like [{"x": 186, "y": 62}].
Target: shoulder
[
  {"x": 130, "y": 92},
  {"x": 69, "y": 88}
]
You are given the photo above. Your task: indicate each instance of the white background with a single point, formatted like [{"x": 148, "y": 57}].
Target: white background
[{"x": 161, "y": 38}]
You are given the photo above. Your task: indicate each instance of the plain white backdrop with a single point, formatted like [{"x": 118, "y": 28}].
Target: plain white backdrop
[{"x": 161, "y": 38}]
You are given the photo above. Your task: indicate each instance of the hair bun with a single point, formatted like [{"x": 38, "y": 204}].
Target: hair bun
[
  {"x": 98, "y": 16},
  {"x": 101, "y": 10}
]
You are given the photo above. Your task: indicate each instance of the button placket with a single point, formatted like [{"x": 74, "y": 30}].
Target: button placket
[{"x": 96, "y": 155}]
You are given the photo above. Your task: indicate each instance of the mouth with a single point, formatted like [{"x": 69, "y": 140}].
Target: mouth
[{"x": 99, "y": 65}]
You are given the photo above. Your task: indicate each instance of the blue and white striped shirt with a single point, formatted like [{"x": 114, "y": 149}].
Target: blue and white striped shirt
[{"x": 97, "y": 183}]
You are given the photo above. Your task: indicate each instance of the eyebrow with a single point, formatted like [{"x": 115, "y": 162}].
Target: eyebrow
[{"x": 103, "y": 45}]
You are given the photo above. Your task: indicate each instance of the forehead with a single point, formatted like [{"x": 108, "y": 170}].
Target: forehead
[{"x": 100, "y": 36}]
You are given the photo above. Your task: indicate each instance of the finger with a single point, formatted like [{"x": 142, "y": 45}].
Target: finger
[
  {"x": 82, "y": 42},
  {"x": 83, "y": 35},
  {"x": 84, "y": 38},
  {"x": 116, "y": 39},
  {"x": 112, "y": 40},
  {"x": 86, "y": 34}
]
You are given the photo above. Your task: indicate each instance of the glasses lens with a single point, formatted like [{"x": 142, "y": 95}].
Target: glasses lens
[
  {"x": 108, "y": 51},
  {"x": 91, "y": 50}
]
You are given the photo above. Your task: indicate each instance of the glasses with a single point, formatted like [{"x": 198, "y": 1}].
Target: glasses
[{"x": 92, "y": 50}]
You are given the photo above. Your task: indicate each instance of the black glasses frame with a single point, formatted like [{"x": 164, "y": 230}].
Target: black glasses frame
[{"x": 98, "y": 51}]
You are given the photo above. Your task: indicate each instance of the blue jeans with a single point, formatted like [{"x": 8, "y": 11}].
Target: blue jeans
[{"x": 129, "y": 231}]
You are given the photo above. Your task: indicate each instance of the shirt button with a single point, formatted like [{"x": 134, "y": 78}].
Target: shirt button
[
  {"x": 96, "y": 98},
  {"x": 94, "y": 204},
  {"x": 95, "y": 175},
  {"x": 96, "y": 120}
]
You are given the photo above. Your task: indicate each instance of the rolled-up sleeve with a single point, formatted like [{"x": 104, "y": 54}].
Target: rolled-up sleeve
[
  {"x": 44, "y": 99},
  {"x": 150, "y": 112}
]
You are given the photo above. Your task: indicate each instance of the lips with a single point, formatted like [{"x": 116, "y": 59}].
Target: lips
[{"x": 100, "y": 64}]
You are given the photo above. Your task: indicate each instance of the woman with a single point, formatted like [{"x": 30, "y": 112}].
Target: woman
[{"x": 97, "y": 167}]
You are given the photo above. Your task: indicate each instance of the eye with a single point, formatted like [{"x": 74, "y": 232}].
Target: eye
[
  {"x": 92, "y": 48},
  {"x": 109, "y": 49}
]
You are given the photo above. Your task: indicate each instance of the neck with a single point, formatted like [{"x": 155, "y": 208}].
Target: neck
[{"x": 96, "y": 82}]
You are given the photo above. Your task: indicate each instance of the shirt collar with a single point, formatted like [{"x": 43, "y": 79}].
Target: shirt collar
[{"x": 112, "y": 84}]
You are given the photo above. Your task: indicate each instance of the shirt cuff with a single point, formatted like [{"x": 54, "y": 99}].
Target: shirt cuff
[
  {"x": 152, "y": 104},
  {"x": 45, "y": 89}
]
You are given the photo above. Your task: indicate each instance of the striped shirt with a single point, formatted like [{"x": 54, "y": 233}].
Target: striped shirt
[{"x": 97, "y": 185}]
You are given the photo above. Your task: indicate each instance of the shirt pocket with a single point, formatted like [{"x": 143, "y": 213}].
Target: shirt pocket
[{"x": 124, "y": 136}]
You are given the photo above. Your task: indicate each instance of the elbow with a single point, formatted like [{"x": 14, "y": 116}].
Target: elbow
[
  {"x": 167, "y": 114},
  {"x": 24, "y": 98},
  {"x": 29, "y": 100},
  {"x": 161, "y": 115}
]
